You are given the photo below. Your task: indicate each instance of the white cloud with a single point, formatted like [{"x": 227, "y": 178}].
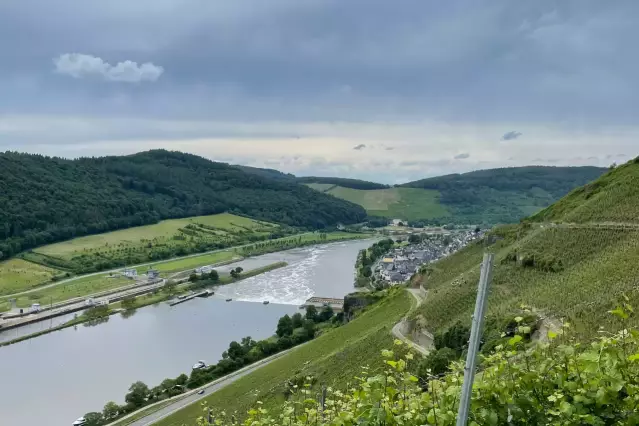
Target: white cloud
[{"x": 78, "y": 65}]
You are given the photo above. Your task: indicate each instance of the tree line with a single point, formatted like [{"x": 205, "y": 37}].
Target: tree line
[
  {"x": 291, "y": 330},
  {"x": 49, "y": 199}
]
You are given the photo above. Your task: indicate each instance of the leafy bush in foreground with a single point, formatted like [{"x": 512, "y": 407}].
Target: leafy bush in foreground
[{"x": 557, "y": 383}]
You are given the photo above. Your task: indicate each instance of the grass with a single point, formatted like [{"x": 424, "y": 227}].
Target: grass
[
  {"x": 190, "y": 262},
  {"x": 591, "y": 270},
  {"x": 76, "y": 288},
  {"x": 612, "y": 198},
  {"x": 18, "y": 275},
  {"x": 166, "y": 239},
  {"x": 405, "y": 203},
  {"x": 330, "y": 358},
  {"x": 142, "y": 234},
  {"x": 143, "y": 413}
]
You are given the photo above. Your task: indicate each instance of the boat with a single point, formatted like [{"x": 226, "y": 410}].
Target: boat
[
  {"x": 182, "y": 296},
  {"x": 228, "y": 300},
  {"x": 80, "y": 422},
  {"x": 199, "y": 365},
  {"x": 266, "y": 302}
]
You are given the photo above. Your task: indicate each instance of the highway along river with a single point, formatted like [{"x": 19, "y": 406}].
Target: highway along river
[{"x": 54, "y": 379}]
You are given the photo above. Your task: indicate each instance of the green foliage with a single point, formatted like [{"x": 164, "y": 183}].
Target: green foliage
[
  {"x": 454, "y": 338},
  {"x": 284, "y": 326},
  {"x": 138, "y": 393},
  {"x": 110, "y": 411},
  {"x": 436, "y": 363},
  {"x": 614, "y": 197},
  {"x": 332, "y": 358},
  {"x": 557, "y": 383},
  {"x": 214, "y": 276},
  {"x": 311, "y": 313},
  {"x": 52, "y": 199}
]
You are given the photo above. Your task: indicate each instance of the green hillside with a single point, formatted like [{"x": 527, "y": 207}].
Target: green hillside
[
  {"x": 46, "y": 200},
  {"x": 330, "y": 358},
  {"x": 344, "y": 182},
  {"x": 577, "y": 272},
  {"x": 485, "y": 196},
  {"x": 404, "y": 203},
  {"x": 613, "y": 198}
]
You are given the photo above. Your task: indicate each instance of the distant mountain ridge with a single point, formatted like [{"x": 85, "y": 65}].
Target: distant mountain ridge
[
  {"x": 491, "y": 196},
  {"x": 47, "y": 199}
]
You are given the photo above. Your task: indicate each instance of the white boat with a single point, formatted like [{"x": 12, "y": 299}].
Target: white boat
[
  {"x": 80, "y": 422},
  {"x": 199, "y": 365}
]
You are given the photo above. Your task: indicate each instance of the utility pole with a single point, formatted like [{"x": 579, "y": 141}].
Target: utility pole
[{"x": 475, "y": 339}]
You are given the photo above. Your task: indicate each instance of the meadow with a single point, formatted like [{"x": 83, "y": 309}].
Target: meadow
[
  {"x": 166, "y": 239},
  {"x": 18, "y": 275},
  {"x": 405, "y": 203},
  {"x": 339, "y": 353},
  {"x": 68, "y": 290}
]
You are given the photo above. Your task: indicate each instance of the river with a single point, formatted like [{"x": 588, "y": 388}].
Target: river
[{"x": 54, "y": 379}]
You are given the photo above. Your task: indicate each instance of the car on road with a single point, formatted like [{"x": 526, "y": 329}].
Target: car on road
[
  {"x": 80, "y": 422},
  {"x": 200, "y": 392}
]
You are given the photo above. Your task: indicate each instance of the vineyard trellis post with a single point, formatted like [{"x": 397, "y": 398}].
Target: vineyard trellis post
[{"x": 475, "y": 339}]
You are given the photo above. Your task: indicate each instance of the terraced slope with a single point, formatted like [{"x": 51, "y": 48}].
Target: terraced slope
[
  {"x": 612, "y": 198},
  {"x": 577, "y": 272}
]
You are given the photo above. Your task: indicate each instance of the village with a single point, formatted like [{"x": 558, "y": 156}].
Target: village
[{"x": 401, "y": 262}]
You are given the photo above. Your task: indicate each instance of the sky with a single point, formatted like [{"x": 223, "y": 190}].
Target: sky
[{"x": 378, "y": 90}]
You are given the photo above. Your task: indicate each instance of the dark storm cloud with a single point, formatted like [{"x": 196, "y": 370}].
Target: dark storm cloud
[
  {"x": 462, "y": 156},
  {"x": 359, "y": 147},
  {"x": 511, "y": 136},
  {"x": 328, "y": 59}
]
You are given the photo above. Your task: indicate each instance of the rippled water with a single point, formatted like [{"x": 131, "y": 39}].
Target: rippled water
[{"x": 53, "y": 379}]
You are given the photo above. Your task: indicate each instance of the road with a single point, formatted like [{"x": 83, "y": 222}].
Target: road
[
  {"x": 182, "y": 401},
  {"x": 192, "y": 397},
  {"x": 419, "y": 299}
]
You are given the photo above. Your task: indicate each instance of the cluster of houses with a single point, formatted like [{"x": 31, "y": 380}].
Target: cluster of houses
[{"x": 402, "y": 262}]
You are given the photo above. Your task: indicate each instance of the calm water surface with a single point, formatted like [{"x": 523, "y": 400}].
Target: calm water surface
[{"x": 56, "y": 378}]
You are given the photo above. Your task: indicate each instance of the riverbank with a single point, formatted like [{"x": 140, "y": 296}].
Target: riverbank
[
  {"x": 83, "y": 286},
  {"x": 142, "y": 301}
]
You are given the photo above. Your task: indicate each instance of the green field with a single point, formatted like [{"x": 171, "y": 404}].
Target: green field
[
  {"x": 404, "y": 203},
  {"x": 76, "y": 288},
  {"x": 321, "y": 187},
  {"x": 18, "y": 275},
  {"x": 190, "y": 262},
  {"x": 166, "y": 239},
  {"x": 225, "y": 224},
  {"x": 331, "y": 358}
]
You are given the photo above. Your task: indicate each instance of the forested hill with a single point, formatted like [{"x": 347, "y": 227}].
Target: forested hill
[
  {"x": 47, "y": 199},
  {"x": 507, "y": 194},
  {"x": 343, "y": 182}
]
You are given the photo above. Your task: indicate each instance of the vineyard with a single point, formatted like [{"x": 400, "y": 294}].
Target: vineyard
[
  {"x": 612, "y": 198},
  {"x": 578, "y": 273},
  {"x": 164, "y": 240}
]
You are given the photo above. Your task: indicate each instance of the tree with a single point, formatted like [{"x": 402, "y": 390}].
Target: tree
[
  {"x": 128, "y": 302},
  {"x": 235, "y": 273},
  {"x": 326, "y": 314},
  {"x": 367, "y": 272},
  {"x": 311, "y": 313},
  {"x": 111, "y": 410},
  {"x": 137, "y": 395},
  {"x": 193, "y": 277},
  {"x": 170, "y": 286},
  {"x": 236, "y": 351},
  {"x": 214, "y": 276},
  {"x": 414, "y": 239},
  {"x": 297, "y": 320},
  {"x": 94, "y": 419},
  {"x": 437, "y": 362},
  {"x": 284, "y": 326},
  {"x": 181, "y": 379}
]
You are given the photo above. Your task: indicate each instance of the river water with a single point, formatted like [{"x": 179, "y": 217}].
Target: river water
[{"x": 54, "y": 379}]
